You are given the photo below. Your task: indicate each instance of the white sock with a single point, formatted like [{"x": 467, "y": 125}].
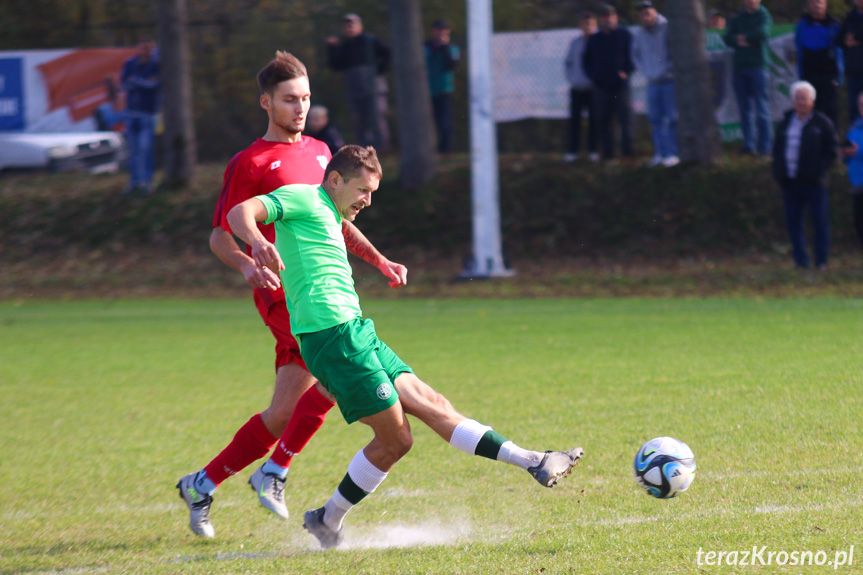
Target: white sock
[
  {"x": 335, "y": 510},
  {"x": 515, "y": 455},
  {"x": 466, "y": 435},
  {"x": 364, "y": 475}
]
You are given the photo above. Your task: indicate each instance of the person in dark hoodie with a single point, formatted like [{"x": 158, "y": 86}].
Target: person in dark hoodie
[
  {"x": 608, "y": 64},
  {"x": 850, "y": 39},
  {"x": 819, "y": 59},
  {"x": 805, "y": 149},
  {"x": 365, "y": 60},
  {"x": 747, "y": 35}
]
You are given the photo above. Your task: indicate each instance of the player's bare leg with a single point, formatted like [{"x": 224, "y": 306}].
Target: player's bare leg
[
  {"x": 432, "y": 408},
  {"x": 292, "y": 381},
  {"x": 252, "y": 441}
]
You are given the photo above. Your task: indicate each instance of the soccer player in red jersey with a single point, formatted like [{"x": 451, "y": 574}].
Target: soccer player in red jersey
[{"x": 299, "y": 404}]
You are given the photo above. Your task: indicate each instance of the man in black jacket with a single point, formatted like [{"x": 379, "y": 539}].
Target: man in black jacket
[
  {"x": 364, "y": 59},
  {"x": 850, "y": 39},
  {"x": 608, "y": 64},
  {"x": 803, "y": 151}
]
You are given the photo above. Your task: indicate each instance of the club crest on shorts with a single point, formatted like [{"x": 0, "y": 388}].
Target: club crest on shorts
[{"x": 384, "y": 390}]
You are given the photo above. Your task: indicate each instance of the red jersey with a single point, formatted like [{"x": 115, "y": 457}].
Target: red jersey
[{"x": 260, "y": 169}]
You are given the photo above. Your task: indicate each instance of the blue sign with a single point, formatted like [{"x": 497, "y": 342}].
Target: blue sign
[{"x": 11, "y": 94}]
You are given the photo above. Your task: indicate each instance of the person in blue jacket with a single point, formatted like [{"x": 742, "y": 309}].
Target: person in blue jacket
[
  {"x": 142, "y": 82},
  {"x": 819, "y": 59},
  {"x": 851, "y": 153}
]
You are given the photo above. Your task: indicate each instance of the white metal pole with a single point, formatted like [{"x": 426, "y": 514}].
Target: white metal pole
[{"x": 485, "y": 206}]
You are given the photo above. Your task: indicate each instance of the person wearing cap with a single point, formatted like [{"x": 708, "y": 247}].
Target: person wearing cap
[
  {"x": 580, "y": 92},
  {"x": 365, "y": 60},
  {"x": 650, "y": 55},
  {"x": 748, "y": 35},
  {"x": 442, "y": 57},
  {"x": 608, "y": 64},
  {"x": 819, "y": 59},
  {"x": 716, "y": 20}
]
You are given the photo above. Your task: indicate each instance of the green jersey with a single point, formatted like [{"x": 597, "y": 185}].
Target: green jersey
[{"x": 317, "y": 278}]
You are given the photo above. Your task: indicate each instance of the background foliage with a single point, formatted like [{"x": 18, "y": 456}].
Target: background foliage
[{"x": 230, "y": 41}]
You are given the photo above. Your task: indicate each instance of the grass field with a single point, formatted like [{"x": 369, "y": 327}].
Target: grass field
[{"x": 104, "y": 405}]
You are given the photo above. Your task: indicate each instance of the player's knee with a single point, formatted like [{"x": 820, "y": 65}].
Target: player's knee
[
  {"x": 406, "y": 444},
  {"x": 430, "y": 405},
  {"x": 275, "y": 419},
  {"x": 399, "y": 444}
]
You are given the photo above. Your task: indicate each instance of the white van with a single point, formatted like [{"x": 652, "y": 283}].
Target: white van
[{"x": 94, "y": 152}]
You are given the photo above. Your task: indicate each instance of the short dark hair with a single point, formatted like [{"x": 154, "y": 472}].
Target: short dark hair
[
  {"x": 351, "y": 160},
  {"x": 440, "y": 24},
  {"x": 285, "y": 66},
  {"x": 586, "y": 15},
  {"x": 606, "y": 10}
]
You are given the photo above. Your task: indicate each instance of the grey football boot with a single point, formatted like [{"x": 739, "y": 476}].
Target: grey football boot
[
  {"x": 271, "y": 491},
  {"x": 199, "y": 507},
  {"x": 555, "y": 465},
  {"x": 313, "y": 522}
]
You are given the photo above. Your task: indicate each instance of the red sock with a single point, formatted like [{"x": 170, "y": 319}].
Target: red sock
[
  {"x": 307, "y": 419},
  {"x": 251, "y": 442}
]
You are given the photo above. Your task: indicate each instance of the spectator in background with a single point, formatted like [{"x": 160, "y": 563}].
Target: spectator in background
[
  {"x": 580, "y": 92},
  {"x": 716, "y": 20},
  {"x": 608, "y": 64},
  {"x": 142, "y": 81},
  {"x": 850, "y": 39},
  {"x": 819, "y": 59},
  {"x": 748, "y": 35},
  {"x": 650, "y": 55},
  {"x": 318, "y": 127},
  {"x": 851, "y": 153},
  {"x": 364, "y": 59},
  {"x": 441, "y": 59},
  {"x": 804, "y": 150}
]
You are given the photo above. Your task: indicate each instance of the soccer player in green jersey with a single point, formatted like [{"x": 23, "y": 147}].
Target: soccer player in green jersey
[{"x": 341, "y": 348}]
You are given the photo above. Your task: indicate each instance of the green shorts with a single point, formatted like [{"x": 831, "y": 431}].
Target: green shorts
[{"x": 355, "y": 366}]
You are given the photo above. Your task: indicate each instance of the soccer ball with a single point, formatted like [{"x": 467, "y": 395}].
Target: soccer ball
[{"x": 664, "y": 467}]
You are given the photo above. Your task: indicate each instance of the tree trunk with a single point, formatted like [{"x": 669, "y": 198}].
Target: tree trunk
[
  {"x": 179, "y": 134},
  {"x": 418, "y": 159},
  {"x": 698, "y": 134}
]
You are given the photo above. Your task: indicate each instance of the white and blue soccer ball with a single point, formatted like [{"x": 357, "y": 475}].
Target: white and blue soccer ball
[{"x": 664, "y": 467}]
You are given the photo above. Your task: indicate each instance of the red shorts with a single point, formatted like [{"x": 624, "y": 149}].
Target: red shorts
[{"x": 287, "y": 349}]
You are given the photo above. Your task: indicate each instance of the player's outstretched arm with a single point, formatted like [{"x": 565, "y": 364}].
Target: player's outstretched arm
[
  {"x": 359, "y": 245},
  {"x": 243, "y": 220},
  {"x": 223, "y": 244}
]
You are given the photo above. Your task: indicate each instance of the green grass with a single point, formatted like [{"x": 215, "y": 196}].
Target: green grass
[{"x": 106, "y": 404}]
